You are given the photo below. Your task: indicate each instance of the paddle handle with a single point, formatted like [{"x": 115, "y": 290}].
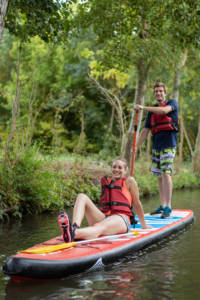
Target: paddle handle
[{"x": 134, "y": 143}]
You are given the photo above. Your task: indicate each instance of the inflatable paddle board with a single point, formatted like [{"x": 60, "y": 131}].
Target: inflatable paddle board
[{"x": 55, "y": 259}]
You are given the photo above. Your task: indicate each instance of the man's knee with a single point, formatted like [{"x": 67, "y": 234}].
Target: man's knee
[{"x": 166, "y": 175}]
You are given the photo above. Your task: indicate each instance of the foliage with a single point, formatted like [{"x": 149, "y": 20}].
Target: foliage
[
  {"x": 137, "y": 42},
  {"x": 186, "y": 179},
  {"x": 58, "y": 108},
  {"x": 111, "y": 146},
  {"x": 54, "y": 85},
  {"x": 31, "y": 183},
  {"x": 79, "y": 181},
  {"x": 26, "y": 19},
  {"x": 27, "y": 184}
]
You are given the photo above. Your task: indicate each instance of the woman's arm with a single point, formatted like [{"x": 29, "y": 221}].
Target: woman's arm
[{"x": 133, "y": 189}]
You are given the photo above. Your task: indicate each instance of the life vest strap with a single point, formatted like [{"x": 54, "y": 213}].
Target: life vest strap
[
  {"x": 111, "y": 186},
  {"x": 164, "y": 123},
  {"x": 113, "y": 203}
]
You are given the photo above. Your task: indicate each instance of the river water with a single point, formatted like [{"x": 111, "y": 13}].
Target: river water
[{"x": 168, "y": 270}]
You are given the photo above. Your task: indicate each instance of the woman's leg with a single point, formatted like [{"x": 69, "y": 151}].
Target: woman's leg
[
  {"x": 85, "y": 207},
  {"x": 108, "y": 226}
]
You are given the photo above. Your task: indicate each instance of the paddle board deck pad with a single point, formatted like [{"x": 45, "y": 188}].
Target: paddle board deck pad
[{"x": 91, "y": 255}]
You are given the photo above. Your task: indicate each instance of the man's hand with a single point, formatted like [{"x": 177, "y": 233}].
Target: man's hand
[
  {"x": 134, "y": 151},
  {"x": 138, "y": 107}
]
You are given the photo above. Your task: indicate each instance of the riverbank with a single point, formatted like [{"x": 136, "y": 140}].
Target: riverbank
[
  {"x": 94, "y": 170},
  {"x": 38, "y": 184}
]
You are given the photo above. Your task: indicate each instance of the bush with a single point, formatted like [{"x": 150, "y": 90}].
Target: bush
[
  {"x": 28, "y": 185},
  {"x": 31, "y": 183}
]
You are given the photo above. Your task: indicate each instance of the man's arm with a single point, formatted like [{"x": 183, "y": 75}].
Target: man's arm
[
  {"x": 143, "y": 135},
  {"x": 155, "y": 109}
]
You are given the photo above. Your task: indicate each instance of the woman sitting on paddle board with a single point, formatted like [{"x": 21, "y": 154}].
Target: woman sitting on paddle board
[{"x": 119, "y": 194}]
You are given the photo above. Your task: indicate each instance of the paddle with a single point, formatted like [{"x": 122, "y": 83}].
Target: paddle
[
  {"x": 53, "y": 248},
  {"x": 134, "y": 143}
]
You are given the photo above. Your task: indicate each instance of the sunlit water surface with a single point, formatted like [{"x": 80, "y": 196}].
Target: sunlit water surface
[{"x": 168, "y": 270}]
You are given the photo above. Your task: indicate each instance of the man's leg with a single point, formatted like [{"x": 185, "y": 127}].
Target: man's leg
[
  {"x": 166, "y": 189},
  {"x": 162, "y": 166},
  {"x": 160, "y": 188},
  {"x": 156, "y": 171},
  {"x": 166, "y": 162}
]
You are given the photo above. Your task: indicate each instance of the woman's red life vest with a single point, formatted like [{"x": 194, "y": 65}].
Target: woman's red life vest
[
  {"x": 113, "y": 199},
  {"x": 161, "y": 122}
]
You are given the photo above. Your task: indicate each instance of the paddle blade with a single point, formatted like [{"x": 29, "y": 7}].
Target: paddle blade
[
  {"x": 136, "y": 233},
  {"x": 48, "y": 249}
]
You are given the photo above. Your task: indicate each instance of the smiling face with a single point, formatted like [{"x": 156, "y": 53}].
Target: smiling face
[
  {"x": 160, "y": 94},
  {"x": 119, "y": 169}
]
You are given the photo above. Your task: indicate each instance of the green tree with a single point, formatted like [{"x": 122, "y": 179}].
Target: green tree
[
  {"x": 26, "y": 19},
  {"x": 141, "y": 34}
]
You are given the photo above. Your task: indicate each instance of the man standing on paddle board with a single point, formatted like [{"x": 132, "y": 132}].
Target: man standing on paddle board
[
  {"x": 118, "y": 196},
  {"x": 162, "y": 121}
]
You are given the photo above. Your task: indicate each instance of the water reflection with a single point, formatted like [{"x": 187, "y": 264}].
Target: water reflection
[{"x": 168, "y": 270}]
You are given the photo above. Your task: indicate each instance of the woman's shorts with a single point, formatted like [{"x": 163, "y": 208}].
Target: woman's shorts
[
  {"x": 128, "y": 225},
  {"x": 162, "y": 161}
]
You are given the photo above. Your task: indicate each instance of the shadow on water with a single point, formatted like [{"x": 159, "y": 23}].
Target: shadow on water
[{"x": 167, "y": 270}]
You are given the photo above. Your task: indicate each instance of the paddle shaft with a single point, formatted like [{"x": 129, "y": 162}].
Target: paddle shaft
[
  {"x": 106, "y": 237},
  {"x": 134, "y": 143},
  {"x": 53, "y": 248}
]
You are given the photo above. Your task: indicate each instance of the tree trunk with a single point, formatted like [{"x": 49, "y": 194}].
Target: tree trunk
[
  {"x": 29, "y": 131},
  {"x": 15, "y": 105},
  {"x": 187, "y": 139},
  {"x": 180, "y": 158},
  {"x": 80, "y": 148},
  {"x": 196, "y": 155},
  {"x": 177, "y": 80},
  {"x": 115, "y": 103},
  {"x": 142, "y": 72},
  {"x": 112, "y": 119},
  {"x": 3, "y": 10},
  {"x": 175, "y": 95},
  {"x": 55, "y": 140}
]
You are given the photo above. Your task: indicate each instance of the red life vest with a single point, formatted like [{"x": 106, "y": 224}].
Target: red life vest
[
  {"x": 161, "y": 122},
  {"x": 112, "y": 198}
]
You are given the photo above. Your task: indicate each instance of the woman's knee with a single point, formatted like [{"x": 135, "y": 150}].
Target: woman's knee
[{"x": 82, "y": 197}]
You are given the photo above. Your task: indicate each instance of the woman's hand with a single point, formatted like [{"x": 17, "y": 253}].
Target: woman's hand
[{"x": 147, "y": 227}]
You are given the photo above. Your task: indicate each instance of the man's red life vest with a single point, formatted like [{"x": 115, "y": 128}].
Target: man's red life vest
[
  {"x": 112, "y": 198},
  {"x": 161, "y": 122}
]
